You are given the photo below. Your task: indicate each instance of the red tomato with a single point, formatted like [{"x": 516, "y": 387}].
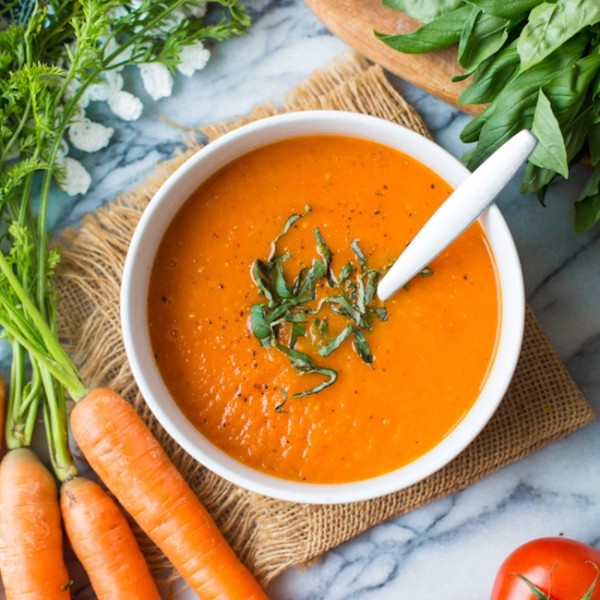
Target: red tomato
[{"x": 563, "y": 569}]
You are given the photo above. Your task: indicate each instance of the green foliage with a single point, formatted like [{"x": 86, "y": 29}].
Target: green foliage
[
  {"x": 536, "y": 65},
  {"x": 50, "y": 54}
]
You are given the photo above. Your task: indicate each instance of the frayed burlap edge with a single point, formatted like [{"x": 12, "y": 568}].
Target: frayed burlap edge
[{"x": 542, "y": 404}]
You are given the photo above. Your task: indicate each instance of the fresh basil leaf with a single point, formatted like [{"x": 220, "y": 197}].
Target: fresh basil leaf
[
  {"x": 360, "y": 255},
  {"x": 260, "y": 325},
  {"x": 334, "y": 344},
  {"x": 286, "y": 227},
  {"x": 362, "y": 346},
  {"x": 550, "y": 25},
  {"x": 345, "y": 273},
  {"x": 587, "y": 208},
  {"x": 340, "y": 305},
  {"x": 594, "y": 143},
  {"x": 568, "y": 90},
  {"x": 482, "y": 36},
  {"x": 260, "y": 276},
  {"x": 536, "y": 181},
  {"x": 372, "y": 279},
  {"x": 506, "y": 9},
  {"x": 298, "y": 330},
  {"x": 442, "y": 32},
  {"x": 301, "y": 361},
  {"x": 331, "y": 379},
  {"x": 423, "y": 11},
  {"x": 280, "y": 284},
  {"x": 381, "y": 313},
  {"x": 514, "y": 107},
  {"x": 550, "y": 151}
]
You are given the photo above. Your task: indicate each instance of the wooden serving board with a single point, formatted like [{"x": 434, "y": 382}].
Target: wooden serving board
[{"x": 354, "y": 21}]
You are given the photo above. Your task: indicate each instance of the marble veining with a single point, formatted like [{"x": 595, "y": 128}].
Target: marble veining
[{"x": 453, "y": 546}]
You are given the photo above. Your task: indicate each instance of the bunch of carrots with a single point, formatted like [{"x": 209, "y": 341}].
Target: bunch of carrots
[
  {"x": 135, "y": 468},
  {"x": 132, "y": 464},
  {"x": 128, "y": 460},
  {"x": 51, "y": 52}
]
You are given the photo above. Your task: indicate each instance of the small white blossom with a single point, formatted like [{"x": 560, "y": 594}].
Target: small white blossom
[
  {"x": 157, "y": 80},
  {"x": 75, "y": 180},
  {"x": 198, "y": 10},
  {"x": 96, "y": 92},
  {"x": 89, "y": 136},
  {"x": 125, "y": 105},
  {"x": 193, "y": 58}
]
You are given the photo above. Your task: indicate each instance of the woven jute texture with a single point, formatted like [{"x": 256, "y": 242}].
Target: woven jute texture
[{"x": 542, "y": 404}]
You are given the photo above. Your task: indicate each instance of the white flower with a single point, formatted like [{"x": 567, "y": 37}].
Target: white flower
[
  {"x": 193, "y": 58},
  {"x": 75, "y": 180},
  {"x": 94, "y": 93},
  {"x": 89, "y": 136},
  {"x": 125, "y": 105},
  {"x": 197, "y": 11},
  {"x": 157, "y": 80}
]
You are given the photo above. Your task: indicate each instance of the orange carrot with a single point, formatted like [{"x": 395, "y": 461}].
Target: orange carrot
[
  {"x": 104, "y": 543},
  {"x": 130, "y": 461},
  {"x": 31, "y": 539}
]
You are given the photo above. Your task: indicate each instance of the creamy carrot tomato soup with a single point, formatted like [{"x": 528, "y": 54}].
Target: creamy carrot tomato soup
[{"x": 267, "y": 330}]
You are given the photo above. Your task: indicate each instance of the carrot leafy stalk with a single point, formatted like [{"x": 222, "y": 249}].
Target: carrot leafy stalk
[{"x": 50, "y": 56}]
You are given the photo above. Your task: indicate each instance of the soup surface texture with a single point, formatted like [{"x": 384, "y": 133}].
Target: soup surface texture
[{"x": 430, "y": 357}]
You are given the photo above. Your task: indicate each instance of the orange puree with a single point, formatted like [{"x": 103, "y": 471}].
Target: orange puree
[{"x": 430, "y": 357}]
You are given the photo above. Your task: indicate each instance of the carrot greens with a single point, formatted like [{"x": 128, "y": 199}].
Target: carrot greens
[{"x": 55, "y": 56}]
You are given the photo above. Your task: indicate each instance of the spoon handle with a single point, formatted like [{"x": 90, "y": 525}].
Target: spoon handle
[{"x": 459, "y": 211}]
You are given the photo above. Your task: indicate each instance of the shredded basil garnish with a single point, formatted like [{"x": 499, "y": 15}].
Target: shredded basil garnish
[{"x": 286, "y": 306}]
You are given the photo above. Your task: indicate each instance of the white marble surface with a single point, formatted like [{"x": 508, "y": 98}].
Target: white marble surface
[{"x": 453, "y": 546}]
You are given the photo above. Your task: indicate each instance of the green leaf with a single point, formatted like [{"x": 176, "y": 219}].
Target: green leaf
[
  {"x": 550, "y": 25},
  {"x": 587, "y": 208},
  {"x": 550, "y": 151},
  {"x": 482, "y": 36},
  {"x": 442, "y": 32},
  {"x": 514, "y": 107},
  {"x": 423, "y": 11},
  {"x": 260, "y": 325},
  {"x": 534, "y": 589},
  {"x": 331, "y": 377},
  {"x": 360, "y": 255},
  {"x": 506, "y": 9},
  {"x": 327, "y": 349},
  {"x": 594, "y": 143},
  {"x": 286, "y": 227},
  {"x": 362, "y": 346}
]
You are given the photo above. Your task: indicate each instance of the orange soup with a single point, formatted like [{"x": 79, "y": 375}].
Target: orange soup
[{"x": 333, "y": 387}]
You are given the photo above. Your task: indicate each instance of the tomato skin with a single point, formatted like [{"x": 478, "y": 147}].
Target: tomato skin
[{"x": 564, "y": 567}]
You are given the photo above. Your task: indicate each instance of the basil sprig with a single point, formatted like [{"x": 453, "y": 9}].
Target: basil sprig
[
  {"x": 536, "y": 65},
  {"x": 288, "y": 308}
]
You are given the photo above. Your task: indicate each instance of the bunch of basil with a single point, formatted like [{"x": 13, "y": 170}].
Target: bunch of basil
[{"x": 536, "y": 65}]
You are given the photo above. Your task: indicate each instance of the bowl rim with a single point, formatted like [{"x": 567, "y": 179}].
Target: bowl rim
[{"x": 171, "y": 196}]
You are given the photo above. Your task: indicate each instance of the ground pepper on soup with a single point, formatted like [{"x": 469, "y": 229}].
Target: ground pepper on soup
[{"x": 401, "y": 384}]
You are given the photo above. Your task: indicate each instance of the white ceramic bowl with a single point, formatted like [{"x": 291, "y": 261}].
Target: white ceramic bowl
[{"x": 174, "y": 193}]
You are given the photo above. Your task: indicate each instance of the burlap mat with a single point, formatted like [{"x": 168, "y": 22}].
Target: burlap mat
[{"x": 542, "y": 405}]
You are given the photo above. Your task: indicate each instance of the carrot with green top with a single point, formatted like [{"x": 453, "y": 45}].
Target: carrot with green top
[
  {"x": 104, "y": 543},
  {"x": 130, "y": 461},
  {"x": 31, "y": 538}
]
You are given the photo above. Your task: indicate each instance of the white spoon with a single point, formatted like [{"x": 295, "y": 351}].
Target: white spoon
[{"x": 459, "y": 211}]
